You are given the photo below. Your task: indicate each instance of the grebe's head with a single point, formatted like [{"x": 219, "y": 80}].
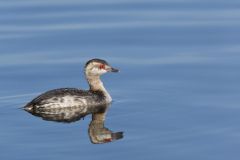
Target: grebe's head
[{"x": 97, "y": 67}]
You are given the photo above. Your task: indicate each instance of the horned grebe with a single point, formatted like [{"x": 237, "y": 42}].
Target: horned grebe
[{"x": 76, "y": 98}]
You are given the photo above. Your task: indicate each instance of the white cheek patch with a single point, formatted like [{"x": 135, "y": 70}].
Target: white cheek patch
[{"x": 98, "y": 71}]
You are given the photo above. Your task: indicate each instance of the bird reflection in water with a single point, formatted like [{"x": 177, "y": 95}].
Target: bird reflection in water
[{"x": 97, "y": 132}]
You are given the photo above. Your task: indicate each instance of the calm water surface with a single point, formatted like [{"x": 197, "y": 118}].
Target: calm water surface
[{"x": 177, "y": 95}]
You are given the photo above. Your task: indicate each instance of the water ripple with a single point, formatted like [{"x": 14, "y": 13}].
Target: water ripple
[{"x": 17, "y": 96}]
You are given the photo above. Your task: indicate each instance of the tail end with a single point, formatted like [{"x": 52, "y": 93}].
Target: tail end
[{"x": 28, "y": 108}]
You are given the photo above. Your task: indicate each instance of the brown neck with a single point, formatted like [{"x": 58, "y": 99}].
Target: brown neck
[
  {"x": 95, "y": 83},
  {"x": 98, "y": 117}
]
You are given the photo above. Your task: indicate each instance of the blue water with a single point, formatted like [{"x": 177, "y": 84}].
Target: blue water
[{"x": 177, "y": 95}]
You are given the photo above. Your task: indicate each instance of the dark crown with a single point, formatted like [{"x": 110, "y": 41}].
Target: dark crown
[{"x": 96, "y": 60}]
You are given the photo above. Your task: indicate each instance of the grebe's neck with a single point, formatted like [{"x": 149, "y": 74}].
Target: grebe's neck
[{"x": 96, "y": 84}]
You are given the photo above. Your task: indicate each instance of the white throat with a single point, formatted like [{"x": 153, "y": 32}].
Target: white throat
[{"x": 96, "y": 84}]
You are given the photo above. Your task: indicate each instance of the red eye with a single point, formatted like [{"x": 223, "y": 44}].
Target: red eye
[{"x": 102, "y": 66}]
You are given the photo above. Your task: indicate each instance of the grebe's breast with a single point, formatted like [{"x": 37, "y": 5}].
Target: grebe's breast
[{"x": 66, "y": 98}]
